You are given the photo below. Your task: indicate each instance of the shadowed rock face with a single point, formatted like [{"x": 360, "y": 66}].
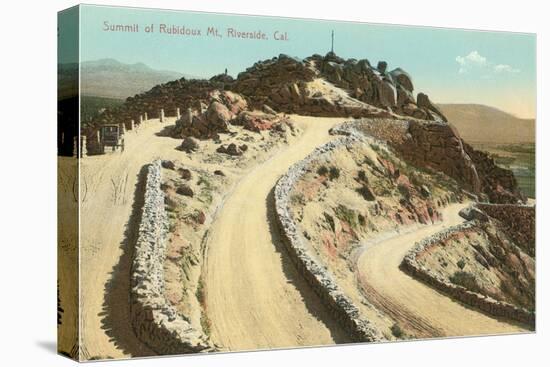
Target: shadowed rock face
[
  {"x": 438, "y": 146},
  {"x": 499, "y": 184}
]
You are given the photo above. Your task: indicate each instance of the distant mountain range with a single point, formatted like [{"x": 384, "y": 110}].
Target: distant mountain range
[
  {"x": 110, "y": 78},
  {"x": 482, "y": 124}
]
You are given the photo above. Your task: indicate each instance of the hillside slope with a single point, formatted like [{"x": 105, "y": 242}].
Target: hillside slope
[{"x": 481, "y": 124}]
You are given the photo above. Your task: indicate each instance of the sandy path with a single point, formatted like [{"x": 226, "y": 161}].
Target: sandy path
[
  {"x": 111, "y": 201},
  {"x": 254, "y": 296},
  {"x": 416, "y": 306}
]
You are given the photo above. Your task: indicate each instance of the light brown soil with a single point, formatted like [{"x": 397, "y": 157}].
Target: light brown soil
[
  {"x": 419, "y": 309},
  {"x": 255, "y": 298},
  {"x": 108, "y": 230},
  {"x": 111, "y": 195}
]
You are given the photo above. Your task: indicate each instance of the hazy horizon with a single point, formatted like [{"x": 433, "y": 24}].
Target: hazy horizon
[{"x": 452, "y": 66}]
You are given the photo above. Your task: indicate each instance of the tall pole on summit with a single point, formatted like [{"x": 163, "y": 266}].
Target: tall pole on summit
[{"x": 332, "y": 42}]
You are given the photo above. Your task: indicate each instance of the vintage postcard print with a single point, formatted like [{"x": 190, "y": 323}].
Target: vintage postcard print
[{"x": 236, "y": 183}]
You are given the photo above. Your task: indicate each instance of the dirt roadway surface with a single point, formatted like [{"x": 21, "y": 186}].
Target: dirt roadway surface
[
  {"x": 417, "y": 307},
  {"x": 108, "y": 185},
  {"x": 254, "y": 296}
]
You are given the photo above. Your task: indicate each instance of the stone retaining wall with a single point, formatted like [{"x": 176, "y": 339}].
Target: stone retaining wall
[
  {"x": 481, "y": 302},
  {"x": 518, "y": 223},
  {"x": 316, "y": 275},
  {"x": 156, "y": 322}
]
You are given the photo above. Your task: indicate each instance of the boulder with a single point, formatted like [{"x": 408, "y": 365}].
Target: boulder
[
  {"x": 200, "y": 217},
  {"x": 402, "y": 78},
  {"x": 404, "y": 97},
  {"x": 423, "y": 101},
  {"x": 185, "y": 173},
  {"x": 183, "y": 124},
  {"x": 382, "y": 66},
  {"x": 234, "y": 102},
  {"x": 185, "y": 190},
  {"x": 168, "y": 164},
  {"x": 256, "y": 121},
  {"x": 218, "y": 116},
  {"x": 189, "y": 144},
  {"x": 387, "y": 94},
  {"x": 473, "y": 213},
  {"x": 332, "y": 57},
  {"x": 232, "y": 149}
]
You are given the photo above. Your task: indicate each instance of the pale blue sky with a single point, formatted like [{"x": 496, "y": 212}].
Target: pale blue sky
[{"x": 452, "y": 66}]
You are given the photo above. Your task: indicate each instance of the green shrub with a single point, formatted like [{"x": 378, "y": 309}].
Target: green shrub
[
  {"x": 466, "y": 280},
  {"x": 362, "y": 220},
  {"x": 297, "y": 199},
  {"x": 200, "y": 292},
  {"x": 366, "y": 193},
  {"x": 322, "y": 171},
  {"x": 347, "y": 215},
  {"x": 396, "y": 331},
  {"x": 334, "y": 173},
  {"x": 362, "y": 176},
  {"x": 461, "y": 264}
]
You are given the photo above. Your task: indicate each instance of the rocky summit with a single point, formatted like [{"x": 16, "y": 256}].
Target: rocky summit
[{"x": 317, "y": 85}]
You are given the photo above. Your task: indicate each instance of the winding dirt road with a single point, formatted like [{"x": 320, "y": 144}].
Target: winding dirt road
[
  {"x": 416, "y": 306},
  {"x": 254, "y": 296}
]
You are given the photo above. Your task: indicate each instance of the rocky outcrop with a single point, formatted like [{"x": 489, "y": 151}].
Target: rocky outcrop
[
  {"x": 210, "y": 118},
  {"x": 517, "y": 221},
  {"x": 482, "y": 302},
  {"x": 275, "y": 82},
  {"x": 376, "y": 86},
  {"x": 423, "y": 101},
  {"x": 498, "y": 184},
  {"x": 282, "y": 83},
  {"x": 154, "y": 320},
  {"x": 221, "y": 110},
  {"x": 317, "y": 276},
  {"x": 473, "y": 213},
  {"x": 438, "y": 146},
  {"x": 257, "y": 121}
]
